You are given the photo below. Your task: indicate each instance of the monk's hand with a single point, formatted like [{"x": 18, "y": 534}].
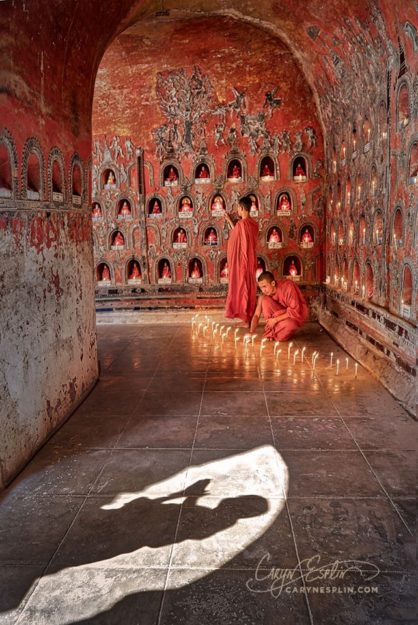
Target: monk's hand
[{"x": 270, "y": 323}]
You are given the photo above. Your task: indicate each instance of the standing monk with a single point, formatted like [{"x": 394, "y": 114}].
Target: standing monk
[
  {"x": 282, "y": 306},
  {"x": 242, "y": 263}
]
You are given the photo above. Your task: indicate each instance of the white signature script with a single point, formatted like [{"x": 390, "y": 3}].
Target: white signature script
[{"x": 274, "y": 580}]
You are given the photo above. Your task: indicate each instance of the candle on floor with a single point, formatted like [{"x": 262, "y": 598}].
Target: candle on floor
[
  {"x": 337, "y": 370},
  {"x": 253, "y": 337},
  {"x": 276, "y": 347},
  {"x": 288, "y": 350},
  {"x": 313, "y": 358},
  {"x": 303, "y": 352},
  {"x": 228, "y": 330},
  {"x": 332, "y": 357},
  {"x": 236, "y": 332}
]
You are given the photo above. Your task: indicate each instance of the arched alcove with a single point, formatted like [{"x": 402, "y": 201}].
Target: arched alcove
[
  {"x": 223, "y": 271},
  {"x": 164, "y": 271},
  {"x": 124, "y": 209},
  {"x": 171, "y": 175},
  {"x": 378, "y": 228},
  {"x": 6, "y": 180},
  {"x": 218, "y": 206},
  {"x": 76, "y": 183},
  {"x": 195, "y": 271},
  {"x": 362, "y": 232},
  {"x": 179, "y": 238},
  {"x": 96, "y": 211},
  {"x": 356, "y": 278},
  {"x": 292, "y": 267},
  {"x": 369, "y": 282},
  {"x": 306, "y": 236},
  {"x": 413, "y": 164},
  {"x": 234, "y": 171},
  {"x": 103, "y": 273},
  {"x": 202, "y": 173},
  {"x": 267, "y": 170},
  {"x": 108, "y": 179},
  {"x": 403, "y": 106},
  {"x": 284, "y": 203},
  {"x": 261, "y": 266},
  {"x": 155, "y": 207},
  {"x": 34, "y": 177},
  {"x": 274, "y": 237},
  {"x": 407, "y": 290},
  {"x": 210, "y": 236},
  {"x": 133, "y": 271},
  {"x": 397, "y": 234},
  {"x": 117, "y": 240},
  {"x": 185, "y": 207}
]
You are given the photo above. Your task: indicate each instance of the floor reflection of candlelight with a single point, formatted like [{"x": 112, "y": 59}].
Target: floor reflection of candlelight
[
  {"x": 332, "y": 357},
  {"x": 276, "y": 347},
  {"x": 355, "y": 370},
  {"x": 303, "y": 353},
  {"x": 346, "y": 363},
  {"x": 289, "y": 350},
  {"x": 295, "y": 356},
  {"x": 236, "y": 332},
  {"x": 337, "y": 370},
  {"x": 313, "y": 358}
]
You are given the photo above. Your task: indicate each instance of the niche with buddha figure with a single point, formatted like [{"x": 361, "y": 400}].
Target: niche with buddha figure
[
  {"x": 397, "y": 234},
  {"x": 202, "y": 173},
  {"x": 292, "y": 267},
  {"x": 354, "y": 142},
  {"x": 210, "y": 236},
  {"x": 108, "y": 179},
  {"x": 32, "y": 170},
  {"x": 117, "y": 240},
  {"x": 403, "y": 105},
  {"x": 155, "y": 207},
  {"x": 235, "y": 171},
  {"x": 340, "y": 234},
  {"x": 355, "y": 277},
  {"x": 56, "y": 184},
  {"x": 185, "y": 207},
  {"x": 76, "y": 181},
  {"x": 103, "y": 274},
  {"x": 195, "y": 271},
  {"x": 274, "y": 237},
  {"x": 299, "y": 168},
  {"x": 8, "y": 165},
  {"x": 362, "y": 230},
  {"x": 96, "y": 211},
  {"x": 179, "y": 239},
  {"x": 267, "y": 169},
  {"x": 164, "y": 271},
  {"x": 217, "y": 206},
  {"x": 378, "y": 228},
  {"x": 306, "y": 236},
  {"x": 284, "y": 203},
  {"x": 368, "y": 292},
  {"x": 413, "y": 164},
  {"x": 407, "y": 290},
  {"x": 254, "y": 205},
  {"x": 367, "y": 131},
  {"x": 124, "y": 209},
  {"x": 133, "y": 271},
  {"x": 261, "y": 266},
  {"x": 170, "y": 175},
  {"x": 223, "y": 270}
]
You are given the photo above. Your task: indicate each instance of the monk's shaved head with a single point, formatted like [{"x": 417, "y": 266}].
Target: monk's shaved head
[{"x": 267, "y": 276}]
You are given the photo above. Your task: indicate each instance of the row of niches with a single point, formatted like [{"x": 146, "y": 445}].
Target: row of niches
[
  {"x": 195, "y": 271},
  {"x": 364, "y": 232},
  {"x": 284, "y": 203},
  {"x": 182, "y": 238},
  {"x": 32, "y": 176},
  {"x": 358, "y": 186},
  {"x": 363, "y": 284},
  {"x": 171, "y": 174}
]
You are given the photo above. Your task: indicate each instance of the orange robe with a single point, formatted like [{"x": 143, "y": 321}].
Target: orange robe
[
  {"x": 287, "y": 299},
  {"x": 242, "y": 264}
]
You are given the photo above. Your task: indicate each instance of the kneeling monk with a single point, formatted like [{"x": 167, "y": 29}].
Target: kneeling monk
[{"x": 282, "y": 306}]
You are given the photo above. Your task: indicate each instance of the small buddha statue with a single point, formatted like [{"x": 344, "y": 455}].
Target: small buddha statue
[
  {"x": 274, "y": 236},
  {"x": 299, "y": 171},
  {"x": 293, "y": 269},
  {"x": 186, "y": 205},
  {"x": 119, "y": 240},
  {"x": 259, "y": 269},
  {"x": 156, "y": 208},
  {"x": 96, "y": 211},
  {"x": 284, "y": 204},
  {"x": 195, "y": 272},
  {"x": 307, "y": 237},
  {"x": 224, "y": 271},
  {"x": 218, "y": 203},
  {"x": 266, "y": 171},
  {"x": 235, "y": 171},
  {"x": 166, "y": 271},
  {"x": 181, "y": 236},
  {"x": 204, "y": 172},
  {"x": 105, "y": 273},
  {"x": 172, "y": 175},
  {"x": 135, "y": 273},
  {"x": 111, "y": 180},
  {"x": 211, "y": 237},
  {"x": 125, "y": 211}
]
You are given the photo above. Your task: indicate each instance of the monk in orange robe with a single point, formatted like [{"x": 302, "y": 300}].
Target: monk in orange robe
[
  {"x": 282, "y": 306},
  {"x": 242, "y": 263}
]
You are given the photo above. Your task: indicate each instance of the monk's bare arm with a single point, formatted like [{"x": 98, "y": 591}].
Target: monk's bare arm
[
  {"x": 229, "y": 220},
  {"x": 257, "y": 315}
]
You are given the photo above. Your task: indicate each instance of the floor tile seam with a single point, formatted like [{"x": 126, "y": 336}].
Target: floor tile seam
[
  {"x": 392, "y": 503},
  {"x": 308, "y": 606}
]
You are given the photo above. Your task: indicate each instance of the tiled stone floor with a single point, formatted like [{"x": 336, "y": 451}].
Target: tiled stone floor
[{"x": 192, "y": 476}]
